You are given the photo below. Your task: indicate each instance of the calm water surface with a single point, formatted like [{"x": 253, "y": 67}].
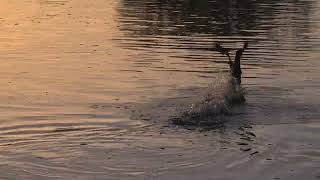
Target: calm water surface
[{"x": 87, "y": 88}]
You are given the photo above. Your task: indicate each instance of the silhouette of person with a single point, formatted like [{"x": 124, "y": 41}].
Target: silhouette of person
[{"x": 235, "y": 66}]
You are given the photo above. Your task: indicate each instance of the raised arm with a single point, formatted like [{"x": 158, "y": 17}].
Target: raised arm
[
  {"x": 222, "y": 50},
  {"x": 239, "y": 54}
]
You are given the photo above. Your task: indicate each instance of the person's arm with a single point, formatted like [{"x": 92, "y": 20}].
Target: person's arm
[
  {"x": 222, "y": 50},
  {"x": 230, "y": 61}
]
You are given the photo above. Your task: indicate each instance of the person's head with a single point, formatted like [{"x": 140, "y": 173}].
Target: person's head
[
  {"x": 238, "y": 56},
  {"x": 245, "y": 45},
  {"x": 239, "y": 53},
  {"x": 218, "y": 46}
]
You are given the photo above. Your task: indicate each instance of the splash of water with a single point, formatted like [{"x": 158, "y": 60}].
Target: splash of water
[{"x": 217, "y": 102}]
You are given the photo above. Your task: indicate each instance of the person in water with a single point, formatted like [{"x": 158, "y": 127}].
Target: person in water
[{"x": 235, "y": 66}]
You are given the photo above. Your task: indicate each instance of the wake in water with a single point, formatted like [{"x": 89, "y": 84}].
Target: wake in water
[
  {"x": 217, "y": 102},
  {"x": 221, "y": 96}
]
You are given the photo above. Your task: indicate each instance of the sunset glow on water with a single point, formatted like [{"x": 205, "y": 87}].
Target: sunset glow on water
[{"x": 88, "y": 88}]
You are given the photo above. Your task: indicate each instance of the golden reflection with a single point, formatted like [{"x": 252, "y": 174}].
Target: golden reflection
[{"x": 81, "y": 81}]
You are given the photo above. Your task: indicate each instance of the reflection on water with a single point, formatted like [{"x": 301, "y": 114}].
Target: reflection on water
[
  {"x": 73, "y": 72},
  {"x": 177, "y": 37},
  {"x": 217, "y": 18}
]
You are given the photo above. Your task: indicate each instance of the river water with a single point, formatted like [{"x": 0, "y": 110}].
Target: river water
[{"x": 88, "y": 88}]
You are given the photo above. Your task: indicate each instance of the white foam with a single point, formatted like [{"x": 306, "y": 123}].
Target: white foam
[{"x": 218, "y": 100}]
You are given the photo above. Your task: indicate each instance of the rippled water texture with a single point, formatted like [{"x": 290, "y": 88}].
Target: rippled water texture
[{"x": 88, "y": 88}]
